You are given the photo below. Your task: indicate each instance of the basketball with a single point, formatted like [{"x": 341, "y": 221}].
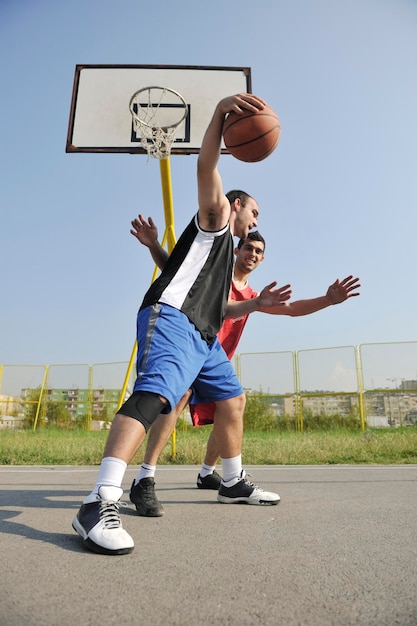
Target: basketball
[{"x": 251, "y": 136}]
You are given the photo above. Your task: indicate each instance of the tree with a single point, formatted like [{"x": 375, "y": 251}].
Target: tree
[
  {"x": 57, "y": 414},
  {"x": 259, "y": 414}
]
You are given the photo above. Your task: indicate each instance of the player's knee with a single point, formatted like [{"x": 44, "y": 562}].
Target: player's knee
[
  {"x": 240, "y": 402},
  {"x": 233, "y": 408},
  {"x": 143, "y": 406}
]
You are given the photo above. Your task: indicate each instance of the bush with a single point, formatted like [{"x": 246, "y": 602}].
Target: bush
[
  {"x": 259, "y": 414},
  {"x": 324, "y": 422}
]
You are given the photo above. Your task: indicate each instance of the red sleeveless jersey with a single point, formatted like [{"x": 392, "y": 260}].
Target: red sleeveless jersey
[{"x": 229, "y": 336}]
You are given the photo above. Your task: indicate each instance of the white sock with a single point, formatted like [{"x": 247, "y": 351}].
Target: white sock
[
  {"x": 232, "y": 468},
  {"x": 146, "y": 471},
  {"x": 111, "y": 473},
  {"x": 206, "y": 470}
]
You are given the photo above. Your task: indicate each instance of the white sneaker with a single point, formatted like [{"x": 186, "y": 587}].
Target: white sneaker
[
  {"x": 98, "y": 523},
  {"x": 241, "y": 490}
]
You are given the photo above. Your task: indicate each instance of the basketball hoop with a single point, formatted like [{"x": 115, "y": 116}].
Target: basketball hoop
[{"x": 157, "y": 113}]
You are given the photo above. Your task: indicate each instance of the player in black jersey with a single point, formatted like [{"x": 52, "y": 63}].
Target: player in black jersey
[{"x": 177, "y": 326}]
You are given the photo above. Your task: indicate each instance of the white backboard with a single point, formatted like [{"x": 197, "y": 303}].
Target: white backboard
[{"x": 100, "y": 120}]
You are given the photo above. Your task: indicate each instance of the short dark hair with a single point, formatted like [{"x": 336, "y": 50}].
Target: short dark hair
[
  {"x": 238, "y": 193},
  {"x": 253, "y": 236}
]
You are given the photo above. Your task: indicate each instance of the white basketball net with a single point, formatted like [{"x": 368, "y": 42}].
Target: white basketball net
[{"x": 157, "y": 112}]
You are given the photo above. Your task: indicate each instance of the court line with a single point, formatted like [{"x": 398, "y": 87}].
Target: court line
[{"x": 69, "y": 469}]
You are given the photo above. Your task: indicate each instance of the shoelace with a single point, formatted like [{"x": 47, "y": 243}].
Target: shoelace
[
  {"x": 109, "y": 514},
  {"x": 249, "y": 482}
]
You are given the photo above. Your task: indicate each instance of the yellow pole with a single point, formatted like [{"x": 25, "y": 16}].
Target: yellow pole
[
  {"x": 89, "y": 398},
  {"x": 169, "y": 236},
  {"x": 299, "y": 423},
  {"x": 359, "y": 375},
  {"x": 44, "y": 382},
  {"x": 165, "y": 169}
]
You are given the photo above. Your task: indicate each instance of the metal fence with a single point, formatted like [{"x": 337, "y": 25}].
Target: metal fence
[{"x": 375, "y": 383}]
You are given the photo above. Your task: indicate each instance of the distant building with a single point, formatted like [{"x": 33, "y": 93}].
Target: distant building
[
  {"x": 409, "y": 385},
  {"x": 11, "y": 421},
  {"x": 100, "y": 403},
  {"x": 382, "y": 408},
  {"x": 322, "y": 404},
  {"x": 10, "y": 405},
  {"x": 377, "y": 421}
]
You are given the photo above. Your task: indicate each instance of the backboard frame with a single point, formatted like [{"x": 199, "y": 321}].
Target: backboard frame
[{"x": 94, "y": 107}]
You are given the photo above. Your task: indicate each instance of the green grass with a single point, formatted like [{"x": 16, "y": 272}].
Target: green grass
[{"x": 63, "y": 447}]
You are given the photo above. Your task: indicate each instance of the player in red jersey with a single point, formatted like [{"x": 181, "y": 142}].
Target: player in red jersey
[{"x": 249, "y": 254}]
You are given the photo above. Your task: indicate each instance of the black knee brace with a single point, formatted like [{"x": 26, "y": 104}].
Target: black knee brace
[{"x": 143, "y": 406}]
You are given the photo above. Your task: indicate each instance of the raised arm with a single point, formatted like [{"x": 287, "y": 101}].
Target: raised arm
[
  {"x": 214, "y": 208},
  {"x": 147, "y": 234},
  {"x": 269, "y": 298},
  {"x": 338, "y": 292}
]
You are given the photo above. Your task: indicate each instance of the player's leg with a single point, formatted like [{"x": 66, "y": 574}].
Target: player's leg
[
  {"x": 165, "y": 371},
  {"x": 208, "y": 478},
  {"x": 212, "y": 450},
  {"x": 202, "y": 415},
  {"x": 161, "y": 430},
  {"x": 235, "y": 486},
  {"x": 98, "y": 521},
  {"x": 125, "y": 437},
  {"x": 228, "y": 427},
  {"x": 142, "y": 492},
  {"x": 217, "y": 381}
]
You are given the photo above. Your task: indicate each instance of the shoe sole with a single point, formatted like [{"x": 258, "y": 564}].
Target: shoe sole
[
  {"x": 243, "y": 500},
  {"x": 94, "y": 546},
  {"x": 149, "y": 512}
]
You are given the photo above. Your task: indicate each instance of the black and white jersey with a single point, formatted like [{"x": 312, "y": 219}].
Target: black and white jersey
[{"x": 196, "y": 279}]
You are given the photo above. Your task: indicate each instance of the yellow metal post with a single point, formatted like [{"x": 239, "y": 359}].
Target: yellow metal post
[
  {"x": 360, "y": 388},
  {"x": 43, "y": 387},
  {"x": 299, "y": 423},
  {"x": 90, "y": 399},
  {"x": 165, "y": 169},
  {"x": 169, "y": 237}
]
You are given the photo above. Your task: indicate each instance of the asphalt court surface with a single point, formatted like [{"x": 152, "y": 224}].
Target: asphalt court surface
[{"x": 340, "y": 549}]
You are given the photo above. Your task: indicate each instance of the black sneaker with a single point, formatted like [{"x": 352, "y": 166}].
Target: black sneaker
[
  {"x": 241, "y": 490},
  {"x": 98, "y": 523},
  {"x": 143, "y": 497},
  {"x": 211, "y": 481}
]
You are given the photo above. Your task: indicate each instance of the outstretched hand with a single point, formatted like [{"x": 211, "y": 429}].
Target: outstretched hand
[
  {"x": 342, "y": 290},
  {"x": 270, "y": 297},
  {"x": 145, "y": 231}
]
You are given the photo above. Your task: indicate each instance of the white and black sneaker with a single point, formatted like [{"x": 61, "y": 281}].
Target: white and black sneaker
[
  {"x": 98, "y": 523},
  {"x": 242, "y": 491}
]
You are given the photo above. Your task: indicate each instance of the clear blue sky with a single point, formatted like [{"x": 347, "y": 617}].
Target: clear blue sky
[{"x": 338, "y": 197}]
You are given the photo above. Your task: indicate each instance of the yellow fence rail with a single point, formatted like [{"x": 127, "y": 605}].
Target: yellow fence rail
[{"x": 376, "y": 383}]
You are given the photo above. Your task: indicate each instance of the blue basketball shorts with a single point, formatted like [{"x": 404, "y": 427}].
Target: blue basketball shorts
[{"x": 172, "y": 357}]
